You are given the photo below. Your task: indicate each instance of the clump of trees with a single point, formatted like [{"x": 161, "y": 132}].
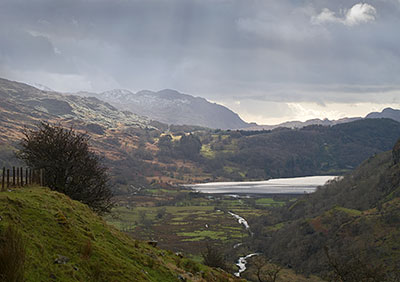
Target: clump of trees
[{"x": 71, "y": 167}]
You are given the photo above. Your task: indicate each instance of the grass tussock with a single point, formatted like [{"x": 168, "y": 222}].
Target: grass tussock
[{"x": 12, "y": 255}]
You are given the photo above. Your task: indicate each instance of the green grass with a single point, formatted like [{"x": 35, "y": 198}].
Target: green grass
[
  {"x": 203, "y": 234},
  {"x": 351, "y": 212},
  {"x": 207, "y": 152},
  {"x": 52, "y": 224},
  {"x": 269, "y": 202}
]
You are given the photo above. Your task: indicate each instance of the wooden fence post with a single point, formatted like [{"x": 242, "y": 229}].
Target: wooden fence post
[
  {"x": 26, "y": 177},
  {"x": 17, "y": 182},
  {"x": 3, "y": 179},
  {"x": 30, "y": 176},
  {"x": 13, "y": 176},
  {"x": 41, "y": 177},
  {"x": 8, "y": 178},
  {"x": 22, "y": 176}
]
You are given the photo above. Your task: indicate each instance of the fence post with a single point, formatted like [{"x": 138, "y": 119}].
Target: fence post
[
  {"x": 41, "y": 177},
  {"x": 3, "y": 179},
  {"x": 30, "y": 176},
  {"x": 26, "y": 176},
  {"x": 13, "y": 176},
  {"x": 22, "y": 176},
  {"x": 8, "y": 177},
  {"x": 17, "y": 182}
]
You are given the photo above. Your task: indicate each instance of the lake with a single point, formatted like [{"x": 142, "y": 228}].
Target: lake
[{"x": 295, "y": 185}]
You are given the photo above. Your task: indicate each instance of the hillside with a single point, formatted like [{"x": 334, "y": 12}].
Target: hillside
[
  {"x": 114, "y": 133},
  {"x": 351, "y": 225},
  {"x": 139, "y": 152},
  {"x": 286, "y": 152},
  {"x": 23, "y": 105},
  {"x": 171, "y": 107},
  {"x": 300, "y": 124},
  {"x": 66, "y": 241}
]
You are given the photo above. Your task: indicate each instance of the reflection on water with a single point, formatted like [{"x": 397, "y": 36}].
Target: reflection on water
[{"x": 296, "y": 185}]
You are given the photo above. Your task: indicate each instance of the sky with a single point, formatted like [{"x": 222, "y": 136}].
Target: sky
[{"x": 268, "y": 60}]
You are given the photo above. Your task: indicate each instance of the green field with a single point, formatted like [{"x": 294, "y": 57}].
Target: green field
[{"x": 189, "y": 223}]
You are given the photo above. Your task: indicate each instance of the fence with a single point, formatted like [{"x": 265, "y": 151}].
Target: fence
[{"x": 17, "y": 178}]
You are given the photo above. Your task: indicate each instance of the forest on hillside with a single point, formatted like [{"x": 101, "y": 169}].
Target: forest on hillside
[{"x": 347, "y": 228}]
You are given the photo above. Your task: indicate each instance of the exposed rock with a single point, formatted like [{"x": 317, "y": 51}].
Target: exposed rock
[
  {"x": 152, "y": 243},
  {"x": 179, "y": 254},
  {"x": 61, "y": 259},
  {"x": 181, "y": 278}
]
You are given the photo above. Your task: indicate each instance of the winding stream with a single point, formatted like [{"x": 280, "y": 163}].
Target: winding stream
[
  {"x": 241, "y": 220},
  {"x": 242, "y": 263}
]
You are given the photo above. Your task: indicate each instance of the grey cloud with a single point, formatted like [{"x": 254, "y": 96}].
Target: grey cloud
[{"x": 219, "y": 49}]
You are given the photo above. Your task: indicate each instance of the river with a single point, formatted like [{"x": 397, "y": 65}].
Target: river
[{"x": 295, "y": 185}]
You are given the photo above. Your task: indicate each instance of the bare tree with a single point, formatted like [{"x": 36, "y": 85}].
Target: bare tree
[
  {"x": 71, "y": 167},
  {"x": 351, "y": 266},
  {"x": 265, "y": 271}
]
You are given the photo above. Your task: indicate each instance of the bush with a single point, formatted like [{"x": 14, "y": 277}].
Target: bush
[
  {"x": 71, "y": 168},
  {"x": 12, "y": 255},
  {"x": 214, "y": 257}
]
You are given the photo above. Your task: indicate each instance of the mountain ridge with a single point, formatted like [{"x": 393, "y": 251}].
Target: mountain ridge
[{"x": 172, "y": 107}]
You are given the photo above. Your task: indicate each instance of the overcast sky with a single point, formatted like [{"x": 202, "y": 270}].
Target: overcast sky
[{"x": 268, "y": 60}]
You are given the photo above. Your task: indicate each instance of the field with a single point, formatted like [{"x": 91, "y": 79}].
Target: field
[{"x": 185, "y": 221}]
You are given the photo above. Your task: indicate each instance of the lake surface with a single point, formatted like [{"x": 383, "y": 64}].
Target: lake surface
[{"x": 296, "y": 185}]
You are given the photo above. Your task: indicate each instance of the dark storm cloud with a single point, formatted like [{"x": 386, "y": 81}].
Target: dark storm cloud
[{"x": 279, "y": 51}]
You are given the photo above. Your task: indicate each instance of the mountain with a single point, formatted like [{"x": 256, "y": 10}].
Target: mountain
[
  {"x": 300, "y": 124},
  {"x": 131, "y": 147},
  {"x": 348, "y": 230},
  {"x": 386, "y": 113},
  {"x": 23, "y": 105},
  {"x": 114, "y": 134},
  {"x": 171, "y": 107},
  {"x": 66, "y": 241}
]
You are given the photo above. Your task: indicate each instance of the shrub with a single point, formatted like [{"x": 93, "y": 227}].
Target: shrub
[
  {"x": 71, "y": 167},
  {"x": 214, "y": 257}
]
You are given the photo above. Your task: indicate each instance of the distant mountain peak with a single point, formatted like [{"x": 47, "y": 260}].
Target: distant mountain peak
[
  {"x": 172, "y": 107},
  {"x": 386, "y": 113}
]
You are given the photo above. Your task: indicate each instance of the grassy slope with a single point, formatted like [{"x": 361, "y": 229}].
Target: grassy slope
[{"x": 52, "y": 224}]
